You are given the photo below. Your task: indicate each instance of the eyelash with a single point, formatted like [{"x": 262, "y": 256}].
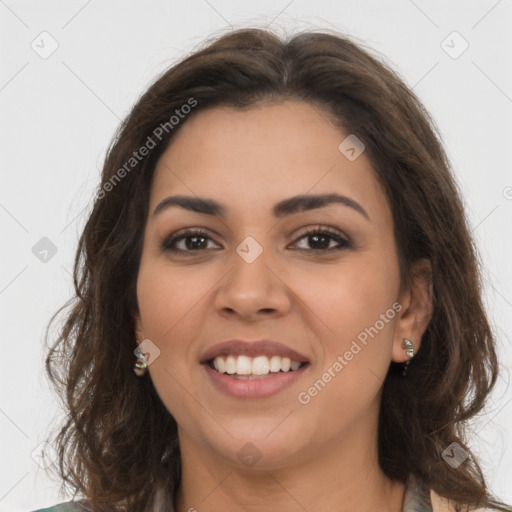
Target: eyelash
[{"x": 168, "y": 244}]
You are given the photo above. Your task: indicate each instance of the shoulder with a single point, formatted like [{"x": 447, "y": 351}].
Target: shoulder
[
  {"x": 68, "y": 506},
  {"x": 420, "y": 498}
]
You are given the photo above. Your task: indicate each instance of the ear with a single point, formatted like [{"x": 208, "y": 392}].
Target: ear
[
  {"x": 414, "y": 317},
  {"x": 138, "y": 328}
]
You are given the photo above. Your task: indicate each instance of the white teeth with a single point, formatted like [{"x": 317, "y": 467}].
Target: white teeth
[
  {"x": 243, "y": 365},
  {"x": 285, "y": 363},
  {"x": 221, "y": 365},
  {"x": 275, "y": 364},
  {"x": 294, "y": 365},
  {"x": 260, "y": 365},
  {"x": 230, "y": 365}
]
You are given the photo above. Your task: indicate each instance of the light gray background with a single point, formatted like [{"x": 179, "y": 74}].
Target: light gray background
[{"x": 58, "y": 115}]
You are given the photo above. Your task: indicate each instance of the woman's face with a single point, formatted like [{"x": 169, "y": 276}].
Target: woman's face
[{"x": 255, "y": 273}]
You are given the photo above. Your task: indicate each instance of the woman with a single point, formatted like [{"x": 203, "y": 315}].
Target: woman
[{"x": 278, "y": 303}]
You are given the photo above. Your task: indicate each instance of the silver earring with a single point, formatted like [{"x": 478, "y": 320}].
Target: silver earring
[
  {"x": 140, "y": 366},
  {"x": 409, "y": 350}
]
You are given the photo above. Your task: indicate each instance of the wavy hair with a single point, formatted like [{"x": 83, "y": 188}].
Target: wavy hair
[{"x": 119, "y": 443}]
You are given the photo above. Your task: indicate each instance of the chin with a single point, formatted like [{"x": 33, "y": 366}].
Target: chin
[{"x": 259, "y": 444}]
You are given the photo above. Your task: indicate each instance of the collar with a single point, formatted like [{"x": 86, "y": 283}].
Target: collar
[{"x": 417, "y": 496}]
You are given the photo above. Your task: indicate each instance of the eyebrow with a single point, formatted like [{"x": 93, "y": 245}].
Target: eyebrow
[{"x": 286, "y": 207}]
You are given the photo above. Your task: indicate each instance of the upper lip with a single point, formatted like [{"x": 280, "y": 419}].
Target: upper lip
[{"x": 252, "y": 349}]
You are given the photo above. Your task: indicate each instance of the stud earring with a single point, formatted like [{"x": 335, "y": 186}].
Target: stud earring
[
  {"x": 140, "y": 366},
  {"x": 409, "y": 350}
]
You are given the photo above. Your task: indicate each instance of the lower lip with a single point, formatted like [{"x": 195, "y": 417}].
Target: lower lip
[{"x": 255, "y": 388}]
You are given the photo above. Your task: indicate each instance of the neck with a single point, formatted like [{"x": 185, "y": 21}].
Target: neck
[{"x": 346, "y": 477}]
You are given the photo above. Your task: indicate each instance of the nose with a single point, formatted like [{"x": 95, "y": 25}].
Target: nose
[{"x": 253, "y": 290}]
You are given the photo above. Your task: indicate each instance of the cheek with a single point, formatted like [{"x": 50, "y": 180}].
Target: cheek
[
  {"x": 358, "y": 305},
  {"x": 358, "y": 309},
  {"x": 164, "y": 298},
  {"x": 165, "y": 305},
  {"x": 351, "y": 296}
]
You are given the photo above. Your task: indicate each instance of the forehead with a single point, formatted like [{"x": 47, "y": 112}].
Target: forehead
[{"x": 251, "y": 159}]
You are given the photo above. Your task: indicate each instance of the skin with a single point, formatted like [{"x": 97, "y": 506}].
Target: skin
[{"x": 318, "y": 456}]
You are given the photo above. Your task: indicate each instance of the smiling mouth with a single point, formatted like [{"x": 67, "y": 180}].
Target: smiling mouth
[{"x": 249, "y": 368}]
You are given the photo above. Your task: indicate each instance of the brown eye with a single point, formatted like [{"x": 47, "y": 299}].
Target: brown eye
[
  {"x": 194, "y": 240},
  {"x": 320, "y": 239}
]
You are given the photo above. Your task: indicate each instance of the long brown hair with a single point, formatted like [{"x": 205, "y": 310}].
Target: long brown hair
[{"x": 119, "y": 443}]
